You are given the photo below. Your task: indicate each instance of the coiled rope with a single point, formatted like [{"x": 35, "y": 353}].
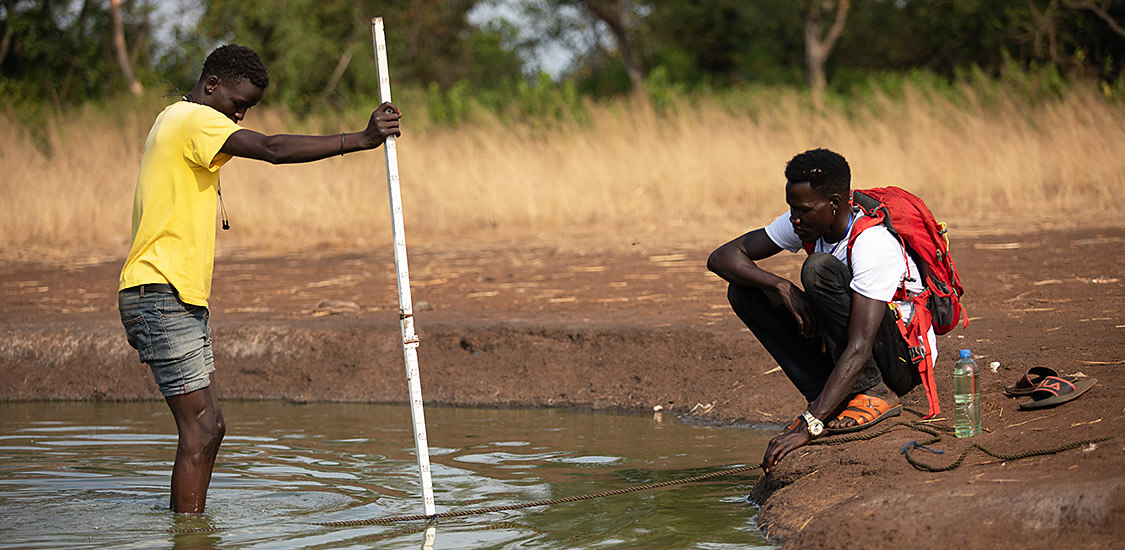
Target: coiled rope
[{"x": 935, "y": 436}]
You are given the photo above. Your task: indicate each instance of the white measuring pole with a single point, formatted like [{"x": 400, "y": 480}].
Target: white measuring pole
[{"x": 406, "y": 313}]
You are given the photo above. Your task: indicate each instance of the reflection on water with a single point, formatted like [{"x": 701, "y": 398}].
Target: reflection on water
[{"x": 96, "y": 475}]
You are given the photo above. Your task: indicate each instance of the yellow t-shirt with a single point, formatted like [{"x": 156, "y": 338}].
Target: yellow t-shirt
[{"x": 175, "y": 201}]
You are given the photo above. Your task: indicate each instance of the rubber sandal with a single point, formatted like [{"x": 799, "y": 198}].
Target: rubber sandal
[
  {"x": 866, "y": 410},
  {"x": 1053, "y": 391},
  {"x": 1026, "y": 384}
]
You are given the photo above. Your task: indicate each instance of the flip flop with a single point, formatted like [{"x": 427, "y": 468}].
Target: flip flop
[
  {"x": 1026, "y": 384},
  {"x": 1054, "y": 390},
  {"x": 866, "y": 410}
]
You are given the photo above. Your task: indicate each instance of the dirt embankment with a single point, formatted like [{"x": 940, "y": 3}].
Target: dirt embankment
[{"x": 642, "y": 327}]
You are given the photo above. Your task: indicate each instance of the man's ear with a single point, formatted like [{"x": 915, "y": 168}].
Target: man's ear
[
  {"x": 210, "y": 84},
  {"x": 835, "y": 200}
]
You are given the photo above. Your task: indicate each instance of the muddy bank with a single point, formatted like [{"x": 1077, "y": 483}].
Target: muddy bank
[
  {"x": 516, "y": 364},
  {"x": 643, "y": 326}
]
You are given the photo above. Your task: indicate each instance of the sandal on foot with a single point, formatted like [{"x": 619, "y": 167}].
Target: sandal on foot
[
  {"x": 866, "y": 410},
  {"x": 1054, "y": 390},
  {"x": 1026, "y": 384}
]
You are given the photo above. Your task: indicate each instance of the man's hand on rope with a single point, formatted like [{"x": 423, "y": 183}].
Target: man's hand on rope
[{"x": 790, "y": 439}]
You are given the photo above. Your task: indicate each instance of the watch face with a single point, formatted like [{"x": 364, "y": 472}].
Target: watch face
[{"x": 815, "y": 425}]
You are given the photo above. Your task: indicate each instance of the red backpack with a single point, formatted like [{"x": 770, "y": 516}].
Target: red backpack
[{"x": 924, "y": 238}]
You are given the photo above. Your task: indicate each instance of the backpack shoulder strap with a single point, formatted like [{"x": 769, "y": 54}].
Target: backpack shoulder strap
[
  {"x": 865, "y": 201},
  {"x": 874, "y": 213}
]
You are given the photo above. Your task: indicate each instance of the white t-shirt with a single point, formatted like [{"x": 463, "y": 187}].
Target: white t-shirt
[{"x": 878, "y": 264}]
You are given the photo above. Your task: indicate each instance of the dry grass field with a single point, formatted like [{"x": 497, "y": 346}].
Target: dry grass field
[{"x": 699, "y": 170}]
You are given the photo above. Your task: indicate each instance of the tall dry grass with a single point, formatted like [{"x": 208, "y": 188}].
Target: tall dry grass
[{"x": 700, "y": 170}]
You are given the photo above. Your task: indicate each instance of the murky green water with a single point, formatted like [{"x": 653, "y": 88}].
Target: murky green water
[{"x": 96, "y": 475}]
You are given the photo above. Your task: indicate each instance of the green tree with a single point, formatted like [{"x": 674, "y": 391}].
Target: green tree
[
  {"x": 63, "y": 52},
  {"x": 727, "y": 42},
  {"x": 585, "y": 26},
  {"x": 121, "y": 50},
  {"x": 310, "y": 46},
  {"x": 819, "y": 41},
  {"x": 948, "y": 36},
  {"x": 620, "y": 16}
]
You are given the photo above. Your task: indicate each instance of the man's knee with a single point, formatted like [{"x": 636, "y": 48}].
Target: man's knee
[
  {"x": 745, "y": 300},
  {"x": 206, "y": 432},
  {"x": 203, "y": 432},
  {"x": 824, "y": 273},
  {"x": 212, "y": 430},
  {"x": 220, "y": 430},
  {"x": 738, "y": 294}
]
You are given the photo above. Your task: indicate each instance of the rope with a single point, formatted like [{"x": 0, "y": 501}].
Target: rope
[
  {"x": 935, "y": 436},
  {"x": 590, "y": 496}
]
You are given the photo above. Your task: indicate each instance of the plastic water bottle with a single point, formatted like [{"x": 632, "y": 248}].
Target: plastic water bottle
[{"x": 966, "y": 410}]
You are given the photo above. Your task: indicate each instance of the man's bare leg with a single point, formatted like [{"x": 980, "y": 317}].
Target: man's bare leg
[{"x": 201, "y": 427}]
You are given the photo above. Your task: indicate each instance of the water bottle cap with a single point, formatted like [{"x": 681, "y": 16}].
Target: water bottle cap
[{"x": 966, "y": 353}]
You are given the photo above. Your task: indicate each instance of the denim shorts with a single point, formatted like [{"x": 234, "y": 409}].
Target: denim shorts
[{"x": 172, "y": 337}]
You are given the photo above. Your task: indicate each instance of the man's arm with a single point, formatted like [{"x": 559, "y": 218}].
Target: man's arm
[
  {"x": 866, "y": 316},
  {"x": 286, "y": 148},
  {"x": 736, "y": 263}
]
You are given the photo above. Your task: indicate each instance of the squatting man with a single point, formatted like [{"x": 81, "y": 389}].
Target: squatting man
[{"x": 834, "y": 336}]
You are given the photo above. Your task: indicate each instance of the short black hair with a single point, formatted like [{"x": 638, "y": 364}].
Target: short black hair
[
  {"x": 825, "y": 171},
  {"x": 233, "y": 64}
]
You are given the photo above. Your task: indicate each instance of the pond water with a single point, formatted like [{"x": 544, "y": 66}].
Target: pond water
[{"x": 96, "y": 475}]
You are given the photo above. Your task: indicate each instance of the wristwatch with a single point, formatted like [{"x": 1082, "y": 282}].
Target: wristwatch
[{"x": 815, "y": 426}]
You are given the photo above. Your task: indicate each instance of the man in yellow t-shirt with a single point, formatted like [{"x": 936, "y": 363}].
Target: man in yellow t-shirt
[{"x": 166, "y": 279}]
